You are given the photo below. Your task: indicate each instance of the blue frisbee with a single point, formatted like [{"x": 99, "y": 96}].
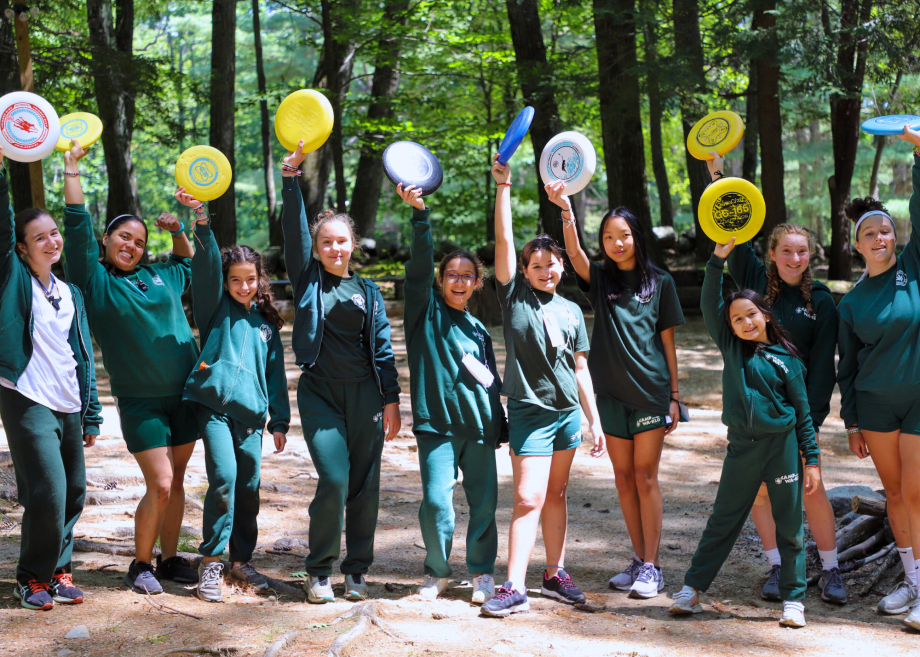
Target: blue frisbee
[
  {"x": 893, "y": 124},
  {"x": 515, "y": 135}
]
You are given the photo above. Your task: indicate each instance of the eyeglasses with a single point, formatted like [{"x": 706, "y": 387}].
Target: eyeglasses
[{"x": 454, "y": 278}]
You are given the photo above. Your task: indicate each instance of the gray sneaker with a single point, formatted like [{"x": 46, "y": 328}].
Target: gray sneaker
[
  {"x": 899, "y": 600},
  {"x": 771, "y": 586},
  {"x": 913, "y": 618},
  {"x": 209, "y": 581},
  {"x": 246, "y": 573},
  {"x": 140, "y": 578},
  {"x": 625, "y": 580},
  {"x": 831, "y": 586},
  {"x": 319, "y": 589},
  {"x": 355, "y": 587}
]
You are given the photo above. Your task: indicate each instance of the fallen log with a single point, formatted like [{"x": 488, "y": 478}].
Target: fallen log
[
  {"x": 857, "y": 531},
  {"x": 855, "y": 565},
  {"x": 869, "y": 507},
  {"x": 862, "y": 548},
  {"x": 890, "y": 560},
  {"x": 124, "y": 550}
]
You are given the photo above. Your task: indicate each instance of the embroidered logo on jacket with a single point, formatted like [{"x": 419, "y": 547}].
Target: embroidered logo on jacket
[
  {"x": 378, "y": 416},
  {"x": 776, "y": 361},
  {"x": 802, "y": 310},
  {"x": 358, "y": 300},
  {"x": 788, "y": 479},
  {"x": 900, "y": 279},
  {"x": 158, "y": 281},
  {"x": 265, "y": 331}
]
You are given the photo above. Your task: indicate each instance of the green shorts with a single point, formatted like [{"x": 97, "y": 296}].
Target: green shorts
[
  {"x": 148, "y": 422},
  {"x": 622, "y": 421},
  {"x": 537, "y": 431},
  {"x": 883, "y": 418}
]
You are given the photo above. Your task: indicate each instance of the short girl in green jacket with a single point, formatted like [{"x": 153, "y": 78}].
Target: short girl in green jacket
[
  {"x": 136, "y": 315},
  {"x": 765, "y": 407},
  {"x": 48, "y": 401}
]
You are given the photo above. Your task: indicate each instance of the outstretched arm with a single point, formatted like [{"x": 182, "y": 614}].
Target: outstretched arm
[
  {"x": 207, "y": 271},
  {"x": 504, "y": 234},
  {"x": 73, "y": 188},
  {"x": 7, "y": 230},
  {"x": 182, "y": 247},
  {"x": 420, "y": 267},
  {"x": 556, "y": 193},
  {"x": 711, "y": 302},
  {"x": 298, "y": 245},
  {"x": 913, "y": 137}
]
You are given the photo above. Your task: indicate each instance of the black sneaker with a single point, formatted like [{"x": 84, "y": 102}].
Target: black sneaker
[
  {"x": 63, "y": 590},
  {"x": 140, "y": 578},
  {"x": 177, "y": 569},
  {"x": 560, "y": 587},
  {"x": 831, "y": 586},
  {"x": 33, "y": 595},
  {"x": 771, "y": 586},
  {"x": 505, "y": 602}
]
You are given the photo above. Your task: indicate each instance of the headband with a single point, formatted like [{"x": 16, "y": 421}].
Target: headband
[
  {"x": 875, "y": 213},
  {"x": 121, "y": 216}
]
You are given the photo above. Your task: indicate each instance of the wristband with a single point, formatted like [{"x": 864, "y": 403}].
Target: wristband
[
  {"x": 917, "y": 151},
  {"x": 718, "y": 173},
  {"x": 853, "y": 430},
  {"x": 500, "y": 184},
  {"x": 177, "y": 233},
  {"x": 812, "y": 466},
  {"x": 72, "y": 173}
]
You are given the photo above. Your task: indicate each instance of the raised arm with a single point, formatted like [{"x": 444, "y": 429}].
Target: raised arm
[
  {"x": 580, "y": 261},
  {"x": 298, "y": 245},
  {"x": 913, "y": 137},
  {"x": 746, "y": 269},
  {"x": 505, "y": 257},
  {"x": 207, "y": 281},
  {"x": 7, "y": 229},
  {"x": 420, "y": 267},
  {"x": 73, "y": 188},
  {"x": 713, "y": 304},
  {"x": 81, "y": 250}
]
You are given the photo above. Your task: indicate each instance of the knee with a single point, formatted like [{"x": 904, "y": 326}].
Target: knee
[
  {"x": 556, "y": 493},
  {"x": 528, "y": 503},
  {"x": 624, "y": 479},
  {"x": 160, "y": 488},
  {"x": 646, "y": 480},
  {"x": 894, "y": 495}
]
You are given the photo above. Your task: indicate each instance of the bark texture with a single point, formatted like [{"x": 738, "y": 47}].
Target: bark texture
[
  {"x": 769, "y": 116},
  {"x": 223, "y": 120}
]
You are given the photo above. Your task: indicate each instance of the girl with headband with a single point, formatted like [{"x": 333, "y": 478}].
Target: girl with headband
[
  {"x": 456, "y": 405},
  {"x": 879, "y": 373},
  {"x": 348, "y": 393},
  {"x": 48, "y": 401},
  {"x": 136, "y": 314}
]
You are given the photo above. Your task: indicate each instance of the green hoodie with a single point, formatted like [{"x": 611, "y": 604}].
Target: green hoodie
[
  {"x": 147, "y": 345},
  {"x": 814, "y": 334},
  {"x": 763, "y": 395},
  {"x": 241, "y": 369}
]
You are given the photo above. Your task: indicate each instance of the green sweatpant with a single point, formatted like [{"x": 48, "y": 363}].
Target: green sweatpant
[
  {"x": 343, "y": 428},
  {"x": 439, "y": 458},
  {"x": 777, "y": 462},
  {"x": 233, "y": 458},
  {"x": 47, "y": 451}
]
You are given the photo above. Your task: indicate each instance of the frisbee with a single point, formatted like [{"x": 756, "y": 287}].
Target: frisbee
[
  {"x": 731, "y": 207},
  {"x": 305, "y": 114},
  {"x": 204, "y": 172},
  {"x": 515, "y": 135},
  {"x": 82, "y": 126},
  {"x": 408, "y": 163},
  {"x": 893, "y": 124},
  {"x": 719, "y": 132},
  {"x": 568, "y": 157},
  {"x": 29, "y": 126}
]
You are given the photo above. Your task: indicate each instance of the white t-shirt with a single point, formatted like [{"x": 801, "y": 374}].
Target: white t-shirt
[{"x": 50, "y": 378}]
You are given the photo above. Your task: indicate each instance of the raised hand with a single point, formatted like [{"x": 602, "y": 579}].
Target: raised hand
[
  {"x": 75, "y": 154},
  {"x": 722, "y": 250},
  {"x": 501, "y": 172},
  {"x": 186, "y": 199},
  {"x": 168, "y": 222},
  {"x": 556, "y": 193},
  {"x": 411, "y": 195},
  {"x": 912, "y": 136},
  {"x": 294, "y": 159},
  {"x": 717, "y": 163}
]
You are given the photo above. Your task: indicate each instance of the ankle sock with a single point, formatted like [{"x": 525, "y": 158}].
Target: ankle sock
[
  {"x": 910, "y": 565},
  {"x": 773, "y": 557},
  {"x": 828, "y": 559}
]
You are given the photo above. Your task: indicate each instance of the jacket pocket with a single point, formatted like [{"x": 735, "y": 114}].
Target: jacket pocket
[
  {"x": 234, "y": 390},
  {"x": 767, "y": 419}
]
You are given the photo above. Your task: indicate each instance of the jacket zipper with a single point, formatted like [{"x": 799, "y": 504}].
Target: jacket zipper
[
  {"x": 91, "y": 363},
  {"x": 370, "y": 344},
  {"x": 240, "y": 364}
]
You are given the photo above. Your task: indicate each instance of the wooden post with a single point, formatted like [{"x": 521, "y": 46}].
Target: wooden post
[{"x": 27, "y": 81}]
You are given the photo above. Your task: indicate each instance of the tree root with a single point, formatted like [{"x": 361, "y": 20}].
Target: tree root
[
  {"x": 203, "y": 650},
  {"x": 367, "y": 617},
  {"x": 282, "y": 588},
  {"x": 276, "y": 648},
  {"x": 170, "y": 610}
]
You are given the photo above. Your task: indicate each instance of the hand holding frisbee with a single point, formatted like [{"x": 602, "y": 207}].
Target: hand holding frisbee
[
  {"x": 411, "y": 195},
  {"x": 723, "y": 250},
  {"x": 305, "y": 115},
  {"x": 74, "y": 153},
  {"x": 186, "y": 199},
  {"x": 501, "y": 172},
  {"x": 731, "y": 208},
  {"x": 719, "y": 132},
  {"x": 293, "y": 160},
  {"x": 890, "y": 125},
  {"x": 556, "y": 193},
  {"x": 910, "y": 135},
  {"x": 515, "y": 134},
  {"x": 204, "y": 171},
  {"x": 410, "y": 163},
  {"x": 568, "y": 157},
  {"x": 80, "y": 125},
  {"x": 29, "y": 126},
  {"x": 715, "y": 164}
]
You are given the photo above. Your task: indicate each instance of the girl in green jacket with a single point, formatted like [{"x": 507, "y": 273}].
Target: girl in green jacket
[
  {"x": 136, "y": 315},
  {"x": 48, "y": 402}
]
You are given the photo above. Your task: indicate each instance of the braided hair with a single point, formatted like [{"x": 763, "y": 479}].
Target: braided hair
[{"x": 773, "y": 279}]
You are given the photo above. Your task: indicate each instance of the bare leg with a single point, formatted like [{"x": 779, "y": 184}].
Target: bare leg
[
  {"x": 820, "y": 517},
  {"x": 157, "y": 468},
  {"x": 646, "y": 457},
  {"x": 886, "y": 455},
  {"x": 175, "y": 510},
  {"x": 621, "y": 456},
  {"x": 762, "y": 515},
  {"x": 910, "y": 487},
  {"x": 555, "y": 515},
  {"x": 531, "y": 475}
]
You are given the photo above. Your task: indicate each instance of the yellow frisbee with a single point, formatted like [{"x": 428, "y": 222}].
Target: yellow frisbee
[
  {"x": 82, "y": 126},
  {"x": 719, "y": 132},
  {"x": 305, "y": 114},
  {"x": 204, "y": 172},
  {"x": 731, "y": 207}
]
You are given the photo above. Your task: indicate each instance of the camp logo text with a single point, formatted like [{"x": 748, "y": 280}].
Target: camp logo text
[
  {"x": 74, "y": 128},
  {"x": 802, "y": 310},
  {"x": 24, "y": 126},
  {"x": 265, "y": 332},
  {"x": 565, "y": 161},
  {"x": 713, "y": 132},
  {"x": 203, "y": 171},
  {"x": 788, "y": 479},
  {"x": 648, "y": 420},
  {"x": 732, "y": 211},
  {"x": 358, "y": 300},
  {"x": 378, "y": 416},
  {"x": 776, "y": 361}
]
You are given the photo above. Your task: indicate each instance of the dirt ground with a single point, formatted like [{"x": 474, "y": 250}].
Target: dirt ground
[{"x": 735, "y": 622}]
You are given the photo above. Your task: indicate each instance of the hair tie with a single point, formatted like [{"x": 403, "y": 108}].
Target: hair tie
[
  {"x": 875, "y": 213},
  {"x": 121, "y": 216}
]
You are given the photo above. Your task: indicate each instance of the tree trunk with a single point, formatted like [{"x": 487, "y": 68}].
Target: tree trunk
[
  {"x": 880, "y": 143},
  {"x": 801, "y": 138},
  {"x": 114, "y": 73},
  {"x": 749, "y": 165},
  {"x": 275, "y": 237},
  {"x": 769, "y": 117},
  {"x": 365, "y": 196},
  {"x": 653, "y": 82},
  {"x": 19, "y": 180},
  {"x": 223, "y": 120}
]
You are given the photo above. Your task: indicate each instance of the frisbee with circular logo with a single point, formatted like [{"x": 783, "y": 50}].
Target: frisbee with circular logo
[
  {"x": 204, "y": 172},
  {"x": 82, "y": 126},
  {"x": 568, "y": 157},
  {"x": 29, "y": 126},
  {"x": 893, "y": 124},
  {"x": 515, "y": 134},
  {"x": 409, "y": 163},
  {"x": 305, "y": 114},
  {"x": 731, "y": 207},
  {"x": 719, "y": 132}
]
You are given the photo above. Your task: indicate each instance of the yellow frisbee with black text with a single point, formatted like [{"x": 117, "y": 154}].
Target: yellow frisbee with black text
[
  {"x": 86, "y": 128},
  {"x": 719, "y": 132},
  {"x": 731, "y": 207},
  {"x": 205, "y": 172},
  {"x": 305, "y": 114}
]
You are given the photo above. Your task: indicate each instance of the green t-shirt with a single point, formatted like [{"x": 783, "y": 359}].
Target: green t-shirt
[
  {"x": 343, "y": 355},
  {"x": 536, "y": 372},
  {"x": 627, "y": 359}
]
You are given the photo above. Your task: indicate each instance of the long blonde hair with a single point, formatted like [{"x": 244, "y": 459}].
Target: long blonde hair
[{"x": 773, "y": 278}]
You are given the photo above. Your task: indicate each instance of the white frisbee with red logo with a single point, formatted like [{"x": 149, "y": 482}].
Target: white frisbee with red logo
[{"x": 29, "y": 126}]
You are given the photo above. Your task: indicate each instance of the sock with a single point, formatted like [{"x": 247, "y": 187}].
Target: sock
[
  {"x": 828, "y": 559},
  {"x": 910, "y": 567},
  {"x": 773, "y": 557},
  {"x": 916, "y": 570}
]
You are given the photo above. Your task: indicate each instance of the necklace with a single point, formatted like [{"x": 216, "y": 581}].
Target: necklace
[{"x": 49, "y": 294}]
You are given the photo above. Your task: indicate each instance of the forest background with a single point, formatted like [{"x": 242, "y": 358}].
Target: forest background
[{"x": 632, "y": 75}]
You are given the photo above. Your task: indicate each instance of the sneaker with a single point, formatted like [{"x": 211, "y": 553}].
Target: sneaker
[
  {"x": 247, "y": 573},
  {"x": 560, "y": 587},
  {"x": 771, "y": 586},
  {"x": 432, "y": 587},
  {"x": 140, "y": 578},
  {"x": 178, "y": 569},
  {"x": 831, "y": 586},
  {"x": 319, "y": 589},
  {"x": 649, "y": 582},
  {"x": 505, "y": 602},
  {"x": 355, "y": 587},
  {"x": 63, "y": 590},
  {"x": 913, "y": 618},
  {"x": 33, "y": 595},
  {"x": 483, "y": 589},
  {"x": 686, "y": 601},
  {"x": 625, "y": 580},
  {"x": 793, "y": 614},
  {"x": 899, "y": 600},
  {"x": 209, "y": 581}
]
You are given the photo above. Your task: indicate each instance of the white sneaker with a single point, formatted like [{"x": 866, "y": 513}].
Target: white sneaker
[
  {"x": 899, "y": 600},
  {"x": 648, "y": 583},
  {"x": 432, "y": 587},
  {"x": 793, "y": 614},
  {"x": 483, "y": 589},
  {"x": 355, "y": 587},
  {"x": 625, "y": 580},
  {"x": 686, "y": 601},
  {"x": 319, "y": 589},
  {"x": 913, "y": 618}
]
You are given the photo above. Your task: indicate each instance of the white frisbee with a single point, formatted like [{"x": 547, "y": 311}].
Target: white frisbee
[
  {"x": 568, "y": 157},
  {"x": 29, "y": 126}
]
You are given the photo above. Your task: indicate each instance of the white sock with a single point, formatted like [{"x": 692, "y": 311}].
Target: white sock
[
  {"x": 773, "y": 556},
  {"x": 910, "y": 566},
  {"x": 828, "y": 559}
]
